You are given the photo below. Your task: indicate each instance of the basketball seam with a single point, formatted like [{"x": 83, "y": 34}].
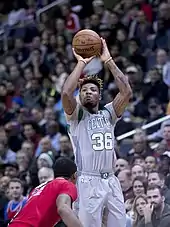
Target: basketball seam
[{"x": 86, "y": 44}]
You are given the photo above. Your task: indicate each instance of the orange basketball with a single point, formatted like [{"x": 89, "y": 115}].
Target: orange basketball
[{"x": 87, "y": 43}]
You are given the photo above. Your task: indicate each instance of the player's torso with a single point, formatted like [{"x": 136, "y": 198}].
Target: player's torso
[
  {"x": 93, "y": 141},
  {"x": 40, "y": 209}
]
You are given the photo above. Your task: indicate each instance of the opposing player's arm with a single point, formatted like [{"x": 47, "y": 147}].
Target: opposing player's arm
[
  {"x": 70, "y": 85},
  {"x": 122, "y": 99},
  {"x": 63, "y": 203}
]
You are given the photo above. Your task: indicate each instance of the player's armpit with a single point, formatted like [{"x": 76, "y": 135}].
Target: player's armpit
[
  {"x": 69, "y": 103},
  {"x": 120, "y": 103},
  {"x": 63, "y": 203}
]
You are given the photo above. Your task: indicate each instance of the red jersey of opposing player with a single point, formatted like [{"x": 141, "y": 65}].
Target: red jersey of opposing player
[{"x": 40, "y": 209}]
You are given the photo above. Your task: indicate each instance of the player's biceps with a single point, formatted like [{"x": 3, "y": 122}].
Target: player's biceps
[
  {"x": 69, "y": 103},
  {"x": 63, "y": 200}
]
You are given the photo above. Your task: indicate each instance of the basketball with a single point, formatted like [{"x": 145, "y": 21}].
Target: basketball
[{"x": 87, "y": 43}]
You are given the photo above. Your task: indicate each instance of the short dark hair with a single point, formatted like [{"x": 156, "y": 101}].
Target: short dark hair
[
  {"x": 161, "y": 176},
  {"x": 64, "y": 167},
  {"x": 16, "y": 180},
  {"x": 153, "y": 187},
  {"x": 94, "y": 79}
]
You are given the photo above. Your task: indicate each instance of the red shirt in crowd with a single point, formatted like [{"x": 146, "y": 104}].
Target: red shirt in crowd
[{"x": 40, "y": 209}]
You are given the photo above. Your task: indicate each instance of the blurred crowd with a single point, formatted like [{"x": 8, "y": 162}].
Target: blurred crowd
[{"x": 36, "y": 58}]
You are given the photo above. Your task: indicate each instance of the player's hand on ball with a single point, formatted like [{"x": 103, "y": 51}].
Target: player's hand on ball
[
  {"x": 105, "y": 52},
  {"x": 80, "y": 58}
]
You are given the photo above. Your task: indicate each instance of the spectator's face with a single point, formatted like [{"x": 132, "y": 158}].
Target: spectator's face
[
  {"x": 139, "y": 161},
  {"x": 60, "y": 41},
  {"x": 37, "y": 115},
  {"x": 113, "y": 19},
  {"x": 45, "y": 37},
  {"x": 3, "y": 91},
  {"x": 153, "y": 179},
  {"x": 10, "y": 87},
  {"x": 52, "y": 128},
  {"x": 121, "y": 164},
  {"x": 4, "y": 181},
  {"x": 161, "y": 57},
  {"x": 133, "y": 47},
  {"x": 114, "y": 51},
  {"x": 15, "y": 190},
  {"x": 95, "y": 21},
  {"x": 98, "y": 9},
  {"x": 65, "y": 144},
  {"x": 42, "y": 163},
  {"x": 150, "y": 163},
  {"x": 27, "y": 148},
  {"x": 34, "y": 85},
  {"x": 121, "y": 35},
  {"x": 9, "y": 61},
  {"x": 141, "y": 17},
  {"x": 65, "y": 10},
  {"x": 140, "y": 206},
  {"x": 138, "y": 188},
  {"x": 29, "y": 131},
  {"x": 14, "y": 72},
  {"x": 165, "y": 165},
  {"x": 45, "y": 145},
  {"x": 44, "y": 176},
  {"x": 3, "y": 137},
  {"x": 124, "y": 181},
  {"x": 60, "y": 25},
  {"x": 59, "y": 69},
  {"x": 22, "y": 160},
  {"x": 36, "y": 43},
  {"x": 11, "y": 172},
  {"x": 166, "y": 133},
  {"x": 154, "y": 197},
  {"x": 49, "y": 114},
  {"x": 154, "y": 76},
  {"x": 50, "y": 102},
  {"x": 19, "y": 43},
  {"x": 28, "y": 74},
  {"x": 164, "y": 10},
  {"x": 137, "y": 171},
  {"x": 53, "y": 40},
  {"x": 139, "y": 144}
]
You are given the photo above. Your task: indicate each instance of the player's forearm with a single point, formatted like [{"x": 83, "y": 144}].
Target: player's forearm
[
  {"x": 71, "y": 83},
  {"x": 68, "y": 217},
  {"x": 120, "y": 79}
]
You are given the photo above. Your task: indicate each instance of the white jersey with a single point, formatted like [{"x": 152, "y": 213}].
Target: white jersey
[{"x": 92, "y": 137}]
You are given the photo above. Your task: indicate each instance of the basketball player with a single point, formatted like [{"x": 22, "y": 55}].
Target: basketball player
[
  {"x": 52, "y": 200},
  {"x": 92, "y": 135}
]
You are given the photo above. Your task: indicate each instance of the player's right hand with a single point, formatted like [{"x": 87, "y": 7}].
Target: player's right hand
[{"x": 80, "y": 58}]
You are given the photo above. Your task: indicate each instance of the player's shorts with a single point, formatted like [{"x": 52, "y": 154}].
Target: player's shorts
[{"x": 96, "y": 193}]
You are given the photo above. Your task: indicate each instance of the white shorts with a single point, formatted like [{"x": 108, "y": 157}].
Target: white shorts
[{"x": 95, "y": 194}]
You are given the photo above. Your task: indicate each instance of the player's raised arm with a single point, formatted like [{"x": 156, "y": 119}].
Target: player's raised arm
[
  {"x": 70, "y": 85},
  {"x": 67, "y": 215},
  {"x": 125, "y": 92}
]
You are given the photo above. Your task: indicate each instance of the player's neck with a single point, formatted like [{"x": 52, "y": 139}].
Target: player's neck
[
  {"x": 18, "y": 199},
  {"x": 93, "y": 110}
]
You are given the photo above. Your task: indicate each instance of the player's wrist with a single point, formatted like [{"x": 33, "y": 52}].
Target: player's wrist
[
  {"x": 108, "y": 60},
  {"x": 82, "y": 61}
]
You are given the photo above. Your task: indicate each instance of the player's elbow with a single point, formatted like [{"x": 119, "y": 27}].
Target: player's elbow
[
  {"x": 128, "y": 93},
  {"x": 62, "y": 210}
]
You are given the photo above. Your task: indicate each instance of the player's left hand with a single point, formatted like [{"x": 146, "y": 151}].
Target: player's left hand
[
  {"x": 105, "y": 52},
  {"x": 79, "y": 58}
]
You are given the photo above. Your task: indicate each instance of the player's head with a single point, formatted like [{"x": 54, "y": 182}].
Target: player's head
[
  {"x": 90, "y": 91},
  {"x": 65, "y": 167}
]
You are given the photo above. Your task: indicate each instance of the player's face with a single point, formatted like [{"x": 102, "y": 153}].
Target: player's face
[
  {"x": 15, "y": 190},
  {"x": 89, "y": 95}
]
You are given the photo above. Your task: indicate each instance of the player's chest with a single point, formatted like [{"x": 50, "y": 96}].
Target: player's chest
[{"x": 97, "y": 123}]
